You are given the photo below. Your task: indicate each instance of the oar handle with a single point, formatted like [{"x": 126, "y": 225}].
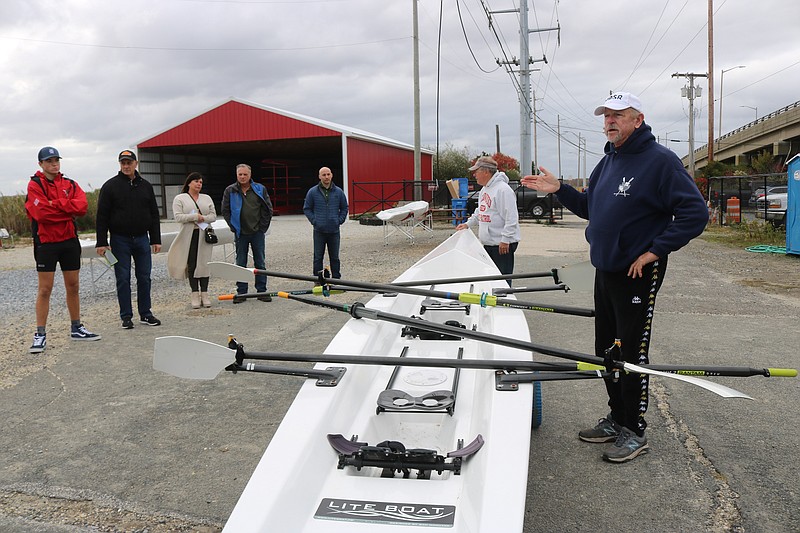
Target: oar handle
[{"x": 782, "y": 372}]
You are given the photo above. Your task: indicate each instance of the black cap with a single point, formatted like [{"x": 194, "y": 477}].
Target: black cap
[{"x": 127, "y": 154}]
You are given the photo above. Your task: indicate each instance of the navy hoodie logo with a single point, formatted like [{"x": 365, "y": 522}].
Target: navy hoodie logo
[{"x": 622, "y": 189}]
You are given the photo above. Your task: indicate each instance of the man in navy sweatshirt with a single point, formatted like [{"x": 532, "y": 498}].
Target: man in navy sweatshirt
[{"x": 641, "y": 205}]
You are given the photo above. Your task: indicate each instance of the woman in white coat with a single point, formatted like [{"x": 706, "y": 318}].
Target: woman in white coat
[{"x": 189, "y": 253}]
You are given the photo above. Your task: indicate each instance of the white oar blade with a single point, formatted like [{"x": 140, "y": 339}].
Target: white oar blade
[
  {"x": 190, "y": 358},
  {"x": 578, "y": 277},
  {"x": 716, "y": 388},
  {"x": 231, "y": 272}
]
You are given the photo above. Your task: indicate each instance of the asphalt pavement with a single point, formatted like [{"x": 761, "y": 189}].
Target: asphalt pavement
[{"x": 99, "y": 427}]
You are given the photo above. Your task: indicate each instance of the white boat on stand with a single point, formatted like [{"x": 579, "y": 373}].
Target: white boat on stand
[
  {"x": 405, "y": 219},
  {"x": 298, "y": 484}
]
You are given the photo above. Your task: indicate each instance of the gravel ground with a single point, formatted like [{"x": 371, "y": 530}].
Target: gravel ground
[{"x": 45, "y": 502}]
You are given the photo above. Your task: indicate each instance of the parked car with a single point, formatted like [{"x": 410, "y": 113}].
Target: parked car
[
  {"x": 759, "y": 192},
  {"x": 772, "y": 207},
  {"x": 529, "y": 203}
]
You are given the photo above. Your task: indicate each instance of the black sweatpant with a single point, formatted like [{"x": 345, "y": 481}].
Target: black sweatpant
[{"x": 624, "y": 310}]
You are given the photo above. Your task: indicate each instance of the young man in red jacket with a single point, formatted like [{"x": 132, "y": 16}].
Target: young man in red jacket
[{"x": 53, "y": 203}]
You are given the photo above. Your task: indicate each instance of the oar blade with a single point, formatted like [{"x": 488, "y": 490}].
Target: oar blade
[
  {"x": 190, "y": 358},
  {"x": 231, "y": 272},
  {"x": 716, "y": 388},
  {"x": 578, "y": 277}
]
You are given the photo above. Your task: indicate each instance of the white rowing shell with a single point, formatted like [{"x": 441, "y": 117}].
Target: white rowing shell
[{"x": 297, "y": 486}]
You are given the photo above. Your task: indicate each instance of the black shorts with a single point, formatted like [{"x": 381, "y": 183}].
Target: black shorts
[{"x": 67, "y": 253}]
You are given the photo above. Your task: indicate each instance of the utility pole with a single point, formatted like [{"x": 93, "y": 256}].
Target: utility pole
[
  {"x": 535, "y": 148},
  {"x": 711, "y": 81},
  {"x": 497, "y": 136},
  {"x": 526, "y": 114},
  {"x": 417, "y": 141},
  {"x": 560, "y": 175},
  {"x": 691, "y": 92}
]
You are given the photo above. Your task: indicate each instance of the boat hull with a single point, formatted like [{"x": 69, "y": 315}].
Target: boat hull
[{"x": 297, "y": 485}]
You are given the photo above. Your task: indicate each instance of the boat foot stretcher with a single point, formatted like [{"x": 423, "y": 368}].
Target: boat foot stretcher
[{"x": 392, "y": 456}]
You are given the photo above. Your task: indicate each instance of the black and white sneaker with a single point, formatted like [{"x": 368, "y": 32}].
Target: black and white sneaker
[
  {"x": 80, "y": 333},
  {"x": 39, "y": 343},
  {"x": 150, "y": 320},
  {"x": 127, "y": 323}
]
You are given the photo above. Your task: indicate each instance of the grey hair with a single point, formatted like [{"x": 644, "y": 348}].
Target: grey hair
[{"x": 244, "y": 165}]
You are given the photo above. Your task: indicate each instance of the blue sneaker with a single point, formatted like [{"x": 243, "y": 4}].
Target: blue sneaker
[
  {"x": 80, "y": 333},
  {"x": 39, "y": 343},
  {"x": 627, "y": 446}
]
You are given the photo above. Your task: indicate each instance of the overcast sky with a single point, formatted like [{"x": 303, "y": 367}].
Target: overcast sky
[{"x": 92, "y": 77}]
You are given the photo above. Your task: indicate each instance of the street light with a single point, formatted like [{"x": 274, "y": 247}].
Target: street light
[
  {"x": 666, "y": 136},
  {"x": 751, "y": 107},
  {"x": 721, "y": 79}
]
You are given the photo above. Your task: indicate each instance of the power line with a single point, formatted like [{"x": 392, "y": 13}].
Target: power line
[
  {"x": 201, "y": 49},
  {"x": 466, "y": 39}
]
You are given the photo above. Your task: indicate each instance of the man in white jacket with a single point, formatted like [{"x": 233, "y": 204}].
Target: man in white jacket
[{"x": 496, "y": 216}]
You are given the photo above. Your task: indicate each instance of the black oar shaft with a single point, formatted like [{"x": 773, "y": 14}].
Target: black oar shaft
[
  {"x": 358, "y": 310},
  {"x": 515, "y": 290},
  {"x": 442, "y": 281},
  {"x": 434, "y": 362},
  {"x": 462, "y": 297},
  {"x": 502, "y": 364}
]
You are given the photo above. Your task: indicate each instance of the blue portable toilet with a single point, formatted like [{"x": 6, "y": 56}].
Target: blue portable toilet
[{"x": 793, "y": 207}]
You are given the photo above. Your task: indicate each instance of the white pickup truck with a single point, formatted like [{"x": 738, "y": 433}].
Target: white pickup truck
[{"x": 775, "y": 211}]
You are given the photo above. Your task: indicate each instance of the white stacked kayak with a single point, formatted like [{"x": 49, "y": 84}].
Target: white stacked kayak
[{"x": 305, "y": 482}]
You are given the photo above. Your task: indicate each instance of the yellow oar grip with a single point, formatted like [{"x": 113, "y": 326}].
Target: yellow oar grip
[
  {"x": 282, "y": 294},
  {"x": 782, "y": 372},
  {"x": 478, "y": 299}
]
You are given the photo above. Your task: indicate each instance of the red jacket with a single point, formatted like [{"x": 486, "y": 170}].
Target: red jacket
[{"x": 54, "y": 206}]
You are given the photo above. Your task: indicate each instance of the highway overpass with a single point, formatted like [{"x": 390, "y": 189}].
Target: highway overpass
[{"x": 778, "y": 133}]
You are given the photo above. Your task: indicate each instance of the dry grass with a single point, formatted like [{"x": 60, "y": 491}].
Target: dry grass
[
  {"x": 748, "y": 233},
  {"x": 14, "y": 219}
]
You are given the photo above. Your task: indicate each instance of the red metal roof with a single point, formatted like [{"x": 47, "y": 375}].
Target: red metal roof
[{"x": 235, "y": 121}]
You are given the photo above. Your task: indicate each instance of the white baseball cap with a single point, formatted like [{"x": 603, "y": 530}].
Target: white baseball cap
[{"x": 618, "y": 101}]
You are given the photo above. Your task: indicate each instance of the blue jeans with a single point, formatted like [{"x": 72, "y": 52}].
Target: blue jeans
[
  {"x": 257, "y": 242},
  {"x": 504, "y": 262},
  {"x": 126, "y": 248},
  {"x": 331, "y": 240}
]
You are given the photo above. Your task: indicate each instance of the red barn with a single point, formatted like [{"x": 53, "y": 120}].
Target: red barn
[{"x": 285, "y": 151}]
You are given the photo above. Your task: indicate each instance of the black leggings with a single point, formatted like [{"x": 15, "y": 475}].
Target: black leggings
[{"x": 195, "y": 283}]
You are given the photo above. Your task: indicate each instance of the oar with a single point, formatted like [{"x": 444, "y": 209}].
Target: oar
[
  {"x": 711, "y": 371},
  {"x": 579, "y": 276},
  {"x": 186, "y": 357},
  {"x": 515, "y": 290},
  {"x": 190, "y": 358},
  {"x": 318, "y": 291},
  {"x": 358, "y": 310},
  {"x": 236, "y": 273}
]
